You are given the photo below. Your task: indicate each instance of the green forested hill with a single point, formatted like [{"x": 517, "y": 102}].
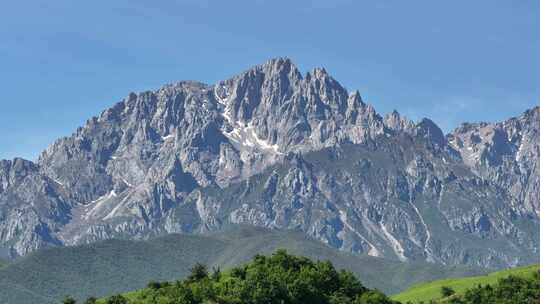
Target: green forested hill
[
  {"x": 432, "y": 291},
  {"x": 115, "y": 266},
  {"x": 282, "y": 278},
  {"x": 279, "y": 278}
]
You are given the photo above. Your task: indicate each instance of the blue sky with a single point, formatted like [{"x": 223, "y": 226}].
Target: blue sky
[{"x": 62, "y": 61}]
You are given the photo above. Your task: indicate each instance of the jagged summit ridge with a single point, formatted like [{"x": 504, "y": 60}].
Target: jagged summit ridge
[{"x": 272, "y": 147}]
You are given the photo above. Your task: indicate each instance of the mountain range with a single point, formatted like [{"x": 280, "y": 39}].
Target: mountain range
[{"x": 275, "y": 148}]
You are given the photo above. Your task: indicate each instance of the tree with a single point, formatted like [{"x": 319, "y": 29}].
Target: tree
[
  {"x": 153, "y": 285},
  {"x": 349, "y": 284},
  {"x": 339, "y": 298},
  {"x": 198, "y": 272},
  {"x": 182, "y": 295},
  {"x": 456, "y": 301},
  {"x": 90, "y": 300},
  {"x": 69, "y": 300},
  {"x": 280, "y": 278},
  {"x": 447, "y": 291},
  {"x": 216, "y": 273},
  {"x": 117, "y": 299},
  {"x": 239, "y": 272},
  {"x": 373, "y": 297}
]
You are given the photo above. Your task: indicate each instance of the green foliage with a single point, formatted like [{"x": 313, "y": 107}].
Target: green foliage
[
  {"x": 69, "y": 300},
  {"x": 508, "y": 290},
  {"x": 447, "y": 291},
  {"x": 373, "y": 297},
  {"x": 198, "y": 272},
  {"x": 432, "y": 291},
  {"x": 157, "y": 285},
  {"x": 114, "y": 266},
  {"x": 153, "y": 285},
  {"x": 279, "y": 278},
  {"x": 117, "y": 299},
  {"x": 216, "y": 274},
  {"x": 90, "y": 300}
]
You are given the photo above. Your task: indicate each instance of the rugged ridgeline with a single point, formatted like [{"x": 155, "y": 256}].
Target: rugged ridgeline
[{"x": 274, "y": 148}]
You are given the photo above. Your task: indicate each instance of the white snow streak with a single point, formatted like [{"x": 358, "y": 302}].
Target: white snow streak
[
  {"x": 222, "y": 101},
  {"x": 373, "y": 251},
  {"x": 246, "y": 136},
  {"x": 116, "y": 208},
  {"x": 126, "y": 182},
  {"x": 227, "y": 116},
  {"x": 519, "y": 151},
  {"x": 242, "y": 133},
  {"x": 98, "y": 204},
  {"x": 396, "y": 245},
  {"x": 113, "y": 212},
  {"x": 428, "y": 233},
  {"x": 168, "y": 137}
]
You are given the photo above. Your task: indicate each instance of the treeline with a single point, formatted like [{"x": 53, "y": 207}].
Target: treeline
[
  {"x": 280, "y": 278},
  {"x": 509, "y": 290},
  {"x": 287, "y": 279}
]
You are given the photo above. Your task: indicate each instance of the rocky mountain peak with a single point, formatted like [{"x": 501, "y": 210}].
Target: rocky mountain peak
[
  {"x": 532, "y": 114},
  {"x": 429, "y": 130},
  {"x": 281, "y": 65},
  {"x": 271, "y": 147},
  {"x": 319, "y": 73},
  {"x": 397, "y": 122}
]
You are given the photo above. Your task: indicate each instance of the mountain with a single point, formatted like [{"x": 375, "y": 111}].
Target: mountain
[
  {"x": 108, "y": 267},
  {"x": 505, "y": 153},
  {"x": 274, "y": 148}
]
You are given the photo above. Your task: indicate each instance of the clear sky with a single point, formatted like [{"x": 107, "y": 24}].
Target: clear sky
[{"x": 62, "y": 61}]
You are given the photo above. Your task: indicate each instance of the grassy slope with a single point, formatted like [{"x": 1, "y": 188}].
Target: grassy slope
[
  {"x": 117, "y": 266},
  {"x": 431, "y": 291}
]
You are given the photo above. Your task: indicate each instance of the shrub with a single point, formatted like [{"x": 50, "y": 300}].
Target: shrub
[
  {"x": 447, "y": 291},
  {"x": 69, "y": 300},
  {"x": 153, "y": 285},
  {"x": 198, "y": 272},
  {"x": 90, "y": 300},
  {"x": 117, "y": 299}
]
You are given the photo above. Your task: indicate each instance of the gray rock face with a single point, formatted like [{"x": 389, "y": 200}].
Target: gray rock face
[
  {"x": 32, "y": 208},
  {"x": 274, "y": 148},
  {"x": 506, "y": 153}
]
